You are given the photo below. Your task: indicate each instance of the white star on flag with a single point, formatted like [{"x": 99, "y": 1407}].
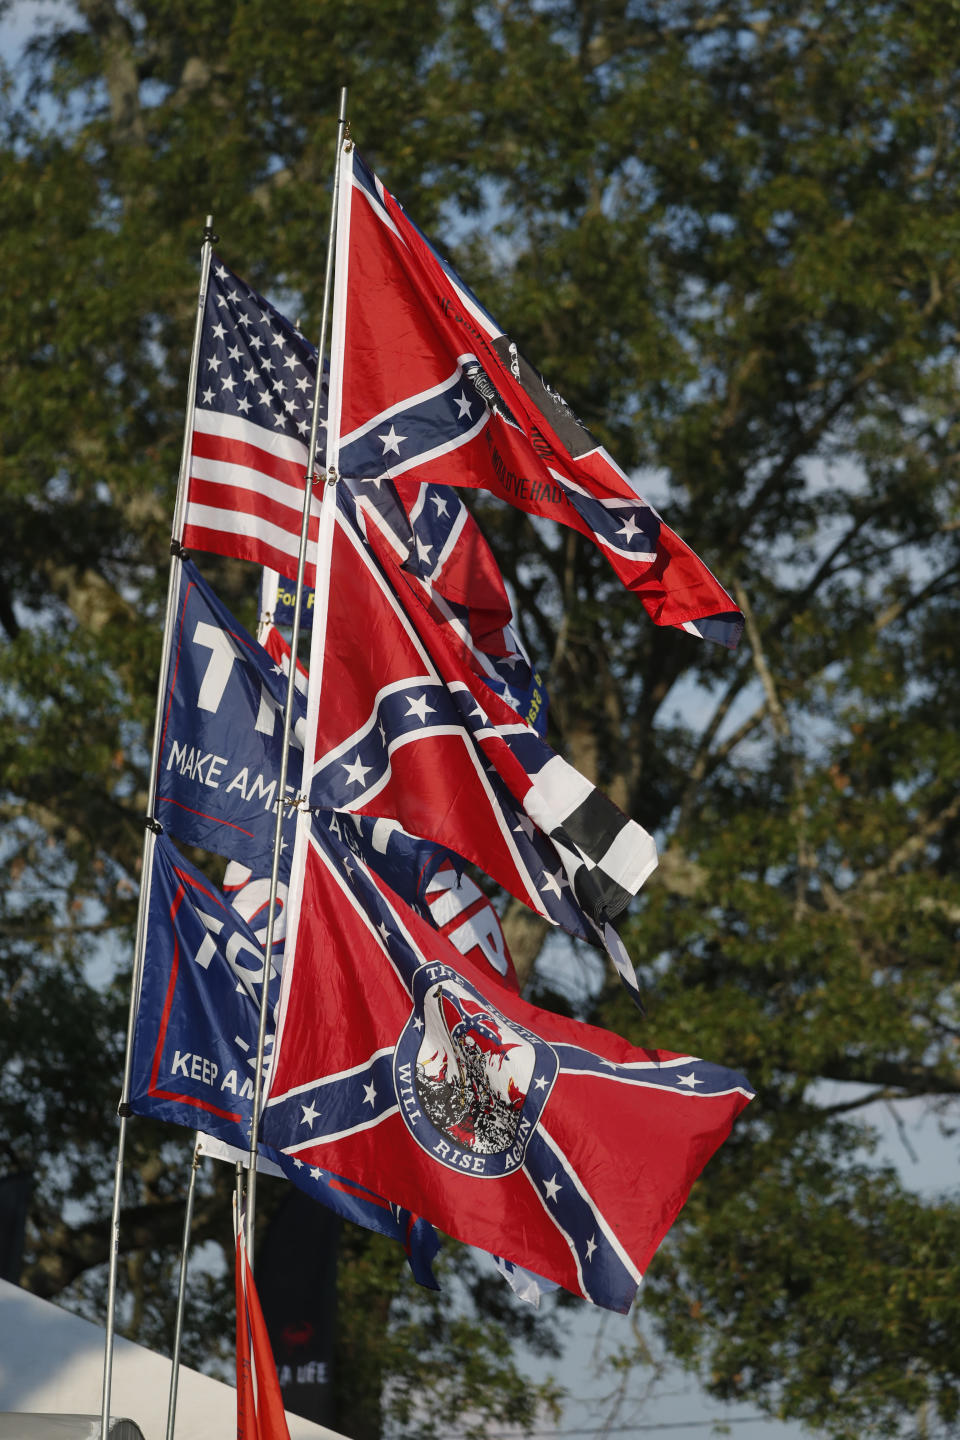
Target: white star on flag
[
  {"x": 420, "y": 708},
  {"x": 356, "y": 771},
  {"x": 391, "y": 441},
  {"x": 309, "y": 1114},
  {"x": 553, "y": 883},
  {"x": 690, "y": 1080},
  {"x": 552, "y": 1189}
]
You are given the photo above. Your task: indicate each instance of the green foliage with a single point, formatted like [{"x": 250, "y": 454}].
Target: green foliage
[{"x": 730, "y": 234}]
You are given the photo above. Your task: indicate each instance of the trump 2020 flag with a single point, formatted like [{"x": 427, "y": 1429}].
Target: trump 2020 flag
[
  {"x": 423, "y": 875},
  {"x": 222, "y": 735},
  {"x": 460, "y": 910},
  {"x": 278, "y": 598},
  {"x": 550, "y": 1143},
  {"x": 425, "y": 384},
  {"x": 195, "y": 1040}
]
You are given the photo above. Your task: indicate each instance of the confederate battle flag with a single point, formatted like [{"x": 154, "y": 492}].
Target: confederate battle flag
[{"x": 403, "y": 1064}]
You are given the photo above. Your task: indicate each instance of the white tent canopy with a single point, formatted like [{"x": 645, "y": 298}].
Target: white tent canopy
[{"x": 51, "y": 1363}]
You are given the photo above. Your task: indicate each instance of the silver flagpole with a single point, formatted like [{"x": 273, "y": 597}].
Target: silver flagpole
[
  {"x": 181, "y": 1291},
  {"x": 291, "y": 689},
  {"x": 173, "y": 586}
]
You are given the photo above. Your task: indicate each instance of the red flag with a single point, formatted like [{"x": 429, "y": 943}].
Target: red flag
[
  {"x": 260, "y": 1412},
  {"x": 401, "y": 1062},
  {"x": 425, "y": 384},
  {"x": 248, "y": 458},
  {"x": 399, "y": 725}
]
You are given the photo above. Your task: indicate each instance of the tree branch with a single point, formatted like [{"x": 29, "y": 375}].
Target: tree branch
[
  {"x": 69, "y": 1251},
  {"x": 806, "y": 862}
]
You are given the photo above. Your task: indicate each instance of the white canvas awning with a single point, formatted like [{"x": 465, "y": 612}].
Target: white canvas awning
[{"x": 51, "y": 1366}]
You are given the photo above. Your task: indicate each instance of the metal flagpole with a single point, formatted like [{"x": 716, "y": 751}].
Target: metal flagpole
[
  {"x": 291, "y": 689},
  {"x": 173, "y": 586},
  {"x": 181, "y": 1291}
]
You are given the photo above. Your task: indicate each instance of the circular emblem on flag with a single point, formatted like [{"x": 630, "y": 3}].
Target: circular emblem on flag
[{"x": 471, "y": 1083}]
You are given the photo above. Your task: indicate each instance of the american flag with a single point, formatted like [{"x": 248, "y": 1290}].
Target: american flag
[{"x": 251, "y": 427}]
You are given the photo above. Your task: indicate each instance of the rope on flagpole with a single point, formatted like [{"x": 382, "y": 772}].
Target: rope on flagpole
[
  {"x": 308, "y": 483},
  {"x": 152, "y": 828}
]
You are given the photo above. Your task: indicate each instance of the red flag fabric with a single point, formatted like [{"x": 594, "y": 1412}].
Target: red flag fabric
[
  {"x": 260, "y": 1412},
  {"x": 398, "y": 1061},
  {"x": 399, "y": 725},
  {"x": 425, "y": 384},
  {"x": 248, "y": 458}
]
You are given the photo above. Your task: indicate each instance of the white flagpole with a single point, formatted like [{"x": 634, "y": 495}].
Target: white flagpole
[
  {"x": 291, "y": 685},
  {"x": 182, "y": 1290},
  {"x": 173, "y": 587},
  {"x": 325, "y": 536}
]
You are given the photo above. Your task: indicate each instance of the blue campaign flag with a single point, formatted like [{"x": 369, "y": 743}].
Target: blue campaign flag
[
  {"x": 278, "y": 597},
  {"x": 221, "y": 742},
  {"x": 195, "y": 1040},
  {"x": 407, "y": 863},
  {"x": 221, "y": 747}
]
